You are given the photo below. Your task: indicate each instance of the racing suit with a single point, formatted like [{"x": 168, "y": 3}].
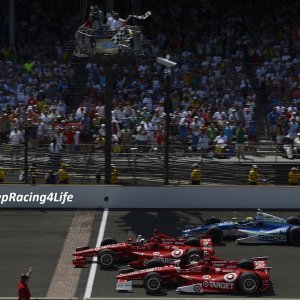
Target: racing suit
[{"x": 23, "y": 291}]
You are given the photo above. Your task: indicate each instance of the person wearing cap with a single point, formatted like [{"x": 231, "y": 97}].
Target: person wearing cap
[
  {"x": 253, "y": 175},
  {"x": 195, "y": 174},
  {"x": 23, "y": 289},
  {"x": 293, "y": 176}
]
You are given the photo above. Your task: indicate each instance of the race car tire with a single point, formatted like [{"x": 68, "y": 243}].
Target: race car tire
[
  {"x": 294, "y": 235},
  {"x": 293, "y": 220},
  {"x": 192, "y": 241},
  {"x": 246, "y": 264},
  {"x": 212, "y": 220},
  {"x": 106, "y": 259},
  {"x": 108, "y": 241},
  {"x": 249, "y": 283},
  {"x": 216, "y": 233},
  {"x": 192, "y": 255},
  {"x": 153, "y": 263},
  {"x": 153, "y": 283}
]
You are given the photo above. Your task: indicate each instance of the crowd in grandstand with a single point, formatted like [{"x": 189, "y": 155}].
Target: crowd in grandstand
[{"x": 226, "y": 63}]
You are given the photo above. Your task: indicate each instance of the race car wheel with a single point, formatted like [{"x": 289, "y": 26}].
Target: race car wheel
[
  {"x": 247, "y": 264},
  {"x": 153, "y": 283},
  {"x": 248, "y": 283},
  {"x": 216, "y": 233},
  {"x": 192, "y": 241},
  {"x": 294, "y": 235},
  {"x": 106, "y": 259},
  {"x": 192, "y": 255},
  {"x": 153, "y": 263},
  {"x": 212, "y": 220},
  {"x": 293, "y": 220},
  {"x": 108, "y": 241}
]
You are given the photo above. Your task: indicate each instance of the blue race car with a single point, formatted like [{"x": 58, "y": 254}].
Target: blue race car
[{"x": 263, "y": 228}]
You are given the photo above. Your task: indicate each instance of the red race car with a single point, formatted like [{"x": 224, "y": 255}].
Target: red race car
[
  {"x": 161, "y": 249},
  {"x": 200, "y": 278}
]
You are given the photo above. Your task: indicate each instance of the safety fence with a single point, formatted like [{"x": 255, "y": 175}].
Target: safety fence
[{"x": 137, "y": 166}]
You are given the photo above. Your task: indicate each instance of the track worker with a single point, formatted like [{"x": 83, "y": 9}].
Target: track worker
[
  {"x": 294, "y": 176},
  {"x": 195, "y": 174},
  {"x": 114, "y": 175},
  {"x": 63, "y": 176},
  {"x": 23, "y": 289},
  {"x": 2, "y": 175},
  {"x": 253, "y": 175}
]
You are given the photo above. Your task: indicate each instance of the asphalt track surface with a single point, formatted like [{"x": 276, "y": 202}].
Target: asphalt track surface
[{"x": 35, "y": 238}]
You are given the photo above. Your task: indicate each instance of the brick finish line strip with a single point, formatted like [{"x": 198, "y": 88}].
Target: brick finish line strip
[{"x": 79, "y": 234}]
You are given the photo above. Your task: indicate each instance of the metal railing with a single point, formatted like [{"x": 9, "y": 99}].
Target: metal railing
[{"x": 138, "y": 166}]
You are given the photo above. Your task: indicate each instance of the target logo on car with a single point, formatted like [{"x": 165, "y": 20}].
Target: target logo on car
[
  {"x": 230, "y": 277},
  {"x": 205, "y": 284},
  {"x": 197, "y": 288},
  {"x": 206, "y": 276},
  {"x": 156, "y": 253},
  {"x": 177, "y": 253}
]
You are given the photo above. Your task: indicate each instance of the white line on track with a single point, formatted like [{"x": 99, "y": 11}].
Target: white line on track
[{"x": 92, "y": 274}]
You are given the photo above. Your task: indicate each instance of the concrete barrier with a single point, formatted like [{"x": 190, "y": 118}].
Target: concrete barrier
[{"x": 171, "y": 197}]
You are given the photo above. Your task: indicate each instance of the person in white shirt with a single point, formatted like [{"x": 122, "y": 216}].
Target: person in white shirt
[
  {"x": 16, "y": 139},
  {"x": 220, "y": 144},
  {"x": 116, "y": 23}
]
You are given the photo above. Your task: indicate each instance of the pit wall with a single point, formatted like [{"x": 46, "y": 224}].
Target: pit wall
[{"x": 115, "y": 197}]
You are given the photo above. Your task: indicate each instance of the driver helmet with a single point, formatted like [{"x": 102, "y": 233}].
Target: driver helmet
[
  {"x": 24, "y": 277},
  {"x": 234, "y": 219},
  {"x": 249, "y": 219}
]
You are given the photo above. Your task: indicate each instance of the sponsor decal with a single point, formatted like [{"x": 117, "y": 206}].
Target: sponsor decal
[
  {"x": 206, "y": 276},
  {"x": 260, "y": 263},
  {"x": 197, "y": 288},
  {"x": 166, "y": 260},
  {"x": 177, "y": 253},
  {"x": 271, "y": 237},
  {"x": 156, "y": 253},
  {"x": 218, "y": 285},
  {"x": 230, "y": 277}
]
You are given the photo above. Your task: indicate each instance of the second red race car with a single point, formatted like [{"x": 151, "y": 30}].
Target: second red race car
[
  {"x": 161, "y": 249},
  {"x": 200, "y": 277}
]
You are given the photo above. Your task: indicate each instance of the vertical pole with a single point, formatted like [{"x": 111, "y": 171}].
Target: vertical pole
[
  {"x": 108, "y": 68},
  {"x": 109, "y": 6},
  {"x": 167, "y": 126},
  {"x": 12, "y": 25},
  {"x": 26, "y": 154}
]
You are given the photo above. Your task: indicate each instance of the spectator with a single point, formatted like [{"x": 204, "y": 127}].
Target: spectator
[
  {"x": 16, "y": 140},
  {"x": 23, "y": 289},
  {"x": 240, "y": 142},
  {"x": 50, "y": 177},
  {"x": 32, "y": 174},
  {"x": 55, "y": 149},
  {"x": 203, "y": 143},
  {"x": 220, "y": 143},
  {"x": 296, "y": 145},
  {"x": 294, "y": 176},
  {"x": 195, "y": 174}
]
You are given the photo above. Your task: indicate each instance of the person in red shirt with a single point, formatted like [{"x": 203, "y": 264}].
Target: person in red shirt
[{"x": 23, "y": 289}]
